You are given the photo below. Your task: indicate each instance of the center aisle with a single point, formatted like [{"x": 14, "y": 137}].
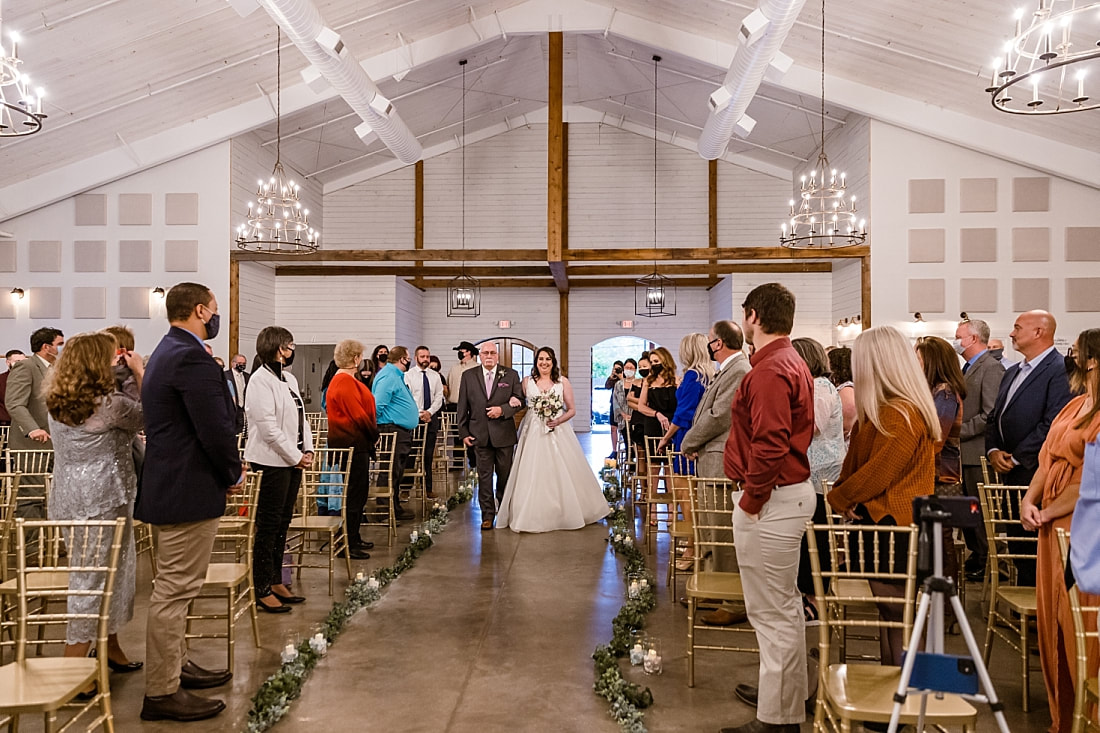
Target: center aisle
[{"x": 490, "y": 631}]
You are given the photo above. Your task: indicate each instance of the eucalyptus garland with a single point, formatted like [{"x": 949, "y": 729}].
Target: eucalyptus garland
[
  {"x": 272, "y": 701},
  {"x": 626, "y": 699}
]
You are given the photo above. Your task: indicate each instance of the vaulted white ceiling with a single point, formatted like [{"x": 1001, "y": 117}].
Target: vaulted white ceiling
[{"x": 133, "y": 83}]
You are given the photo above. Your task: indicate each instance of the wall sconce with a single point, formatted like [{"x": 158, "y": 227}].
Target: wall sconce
[
  {"x": 17, "y": 294},
  {"x": 157, "y": 293},
  {"x": 964, "y": 317},
  {"x": 918, "y": 318}
]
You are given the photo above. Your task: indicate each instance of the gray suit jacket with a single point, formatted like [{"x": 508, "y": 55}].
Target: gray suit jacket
[
  {"x": 26, "y": 404},
  {"x": 472, "y": 402},
  {"x": 711, "y": 425},
  {"x": 983, "y": 379}
]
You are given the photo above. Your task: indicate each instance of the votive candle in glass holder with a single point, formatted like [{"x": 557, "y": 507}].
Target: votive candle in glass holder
[
  {"x": 358, "y": 577},
  {"x": 651, "y": 663},
  {"x": 372, "y": 583},
  {"x": 637, "y": 649},
  {"x": 290, "y": 648},
  {"x": 414, "y": 536}
]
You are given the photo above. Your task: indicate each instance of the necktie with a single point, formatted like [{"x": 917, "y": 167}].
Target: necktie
[
  {"x": 966, "y": 367},
  {"x": 427, "y": 391},
  {"x": 489, "y": 384}
]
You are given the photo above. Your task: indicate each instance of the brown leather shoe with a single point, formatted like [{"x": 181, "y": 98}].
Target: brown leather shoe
[
  {"x": 487, "y": 524},
  {"x": 181, "y": 705},
  {"x": 194, "y": 677},
  {"x": 722, "y": 617}
]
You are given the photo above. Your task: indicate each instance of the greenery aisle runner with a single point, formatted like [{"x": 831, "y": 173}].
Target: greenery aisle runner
[
  {"x": 272, "y": 701},
  {"x": 626, "y": 700}
]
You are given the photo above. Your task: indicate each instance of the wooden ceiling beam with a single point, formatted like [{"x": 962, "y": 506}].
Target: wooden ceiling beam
[
  {"x": 720, "y": 253},
  {"x": 542, "y": 271},
  {"x": 687, "y": 282},
  {"x": 397, "y": 255}
]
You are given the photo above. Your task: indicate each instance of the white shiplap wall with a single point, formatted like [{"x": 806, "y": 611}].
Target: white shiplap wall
[
  {"x": 251, "y": 161},
  {"x": 751, "y": 207},
  {"x": 533, "y": 311},
  {"x": 813, "y": 292},
  {"x": 409, "y": 312},
  {"x": 324, "y": 310},
  {"x": 376, "y": 214},
  {"x": 721, "y": 301},
  {"x": 257, "y": 303},
  {"x": 847, "y": 297}
]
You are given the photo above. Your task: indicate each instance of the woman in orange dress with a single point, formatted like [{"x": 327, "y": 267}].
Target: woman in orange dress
[{"x": 1047, "y": 507}]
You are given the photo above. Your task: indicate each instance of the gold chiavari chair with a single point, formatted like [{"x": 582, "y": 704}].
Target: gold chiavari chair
[
  {"x": 1087, "y": 692},
  {"x": 317, "y": 534},
  {"x": 5, "y": 430},
  {"x": 46, "y": 685},
  {"x": 230, "y": 582},
  {"x": 37, "y": 469},
  {"x": 865, "y": 692},
  {"x": 659, "y": 504},
  {"x": 318, "y": 425},
  {"x": 712, "y": 512},
  {"x": 381, "y": 486},
  {"x": 143, "y": 544},
  {"x": 1012, "y": 607},
  {"x": 681, "y": 537},
  {"x": 413, "y": 480},
  {"x": 9, "y": 497}
]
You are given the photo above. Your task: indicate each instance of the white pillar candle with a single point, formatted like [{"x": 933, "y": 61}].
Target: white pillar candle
[{"x": 358, "y": 577}]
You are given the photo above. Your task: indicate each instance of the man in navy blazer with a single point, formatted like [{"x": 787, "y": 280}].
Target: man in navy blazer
[
  {"x": 1031, "y": 395},
  {"x": 191, "y": 461}
]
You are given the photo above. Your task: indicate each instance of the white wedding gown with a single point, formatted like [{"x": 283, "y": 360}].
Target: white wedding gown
[{"x": 551, "y": 486}]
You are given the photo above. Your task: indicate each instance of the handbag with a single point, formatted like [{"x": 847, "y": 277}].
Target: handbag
[
  {"x": 1084, "y": 550},
  {"x": 329, "y": 499}
]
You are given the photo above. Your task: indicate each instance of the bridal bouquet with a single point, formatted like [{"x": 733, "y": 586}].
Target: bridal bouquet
[{"x": 547, "y": 406}]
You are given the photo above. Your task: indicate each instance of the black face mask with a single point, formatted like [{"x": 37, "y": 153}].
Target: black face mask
[
  {"x": 711, "y": 352},
  {"x": 643, "y": 372},
  {"x": 383, "y": 358},
  {"x": 240, "y": 368},
  {"x": 1071, "y": 365},
  {"x": 290, "y": 359},
  {"x": 656, "y": 369},
  {"x": 998, "y": 354},
  {"x": 212, "y": 326}
]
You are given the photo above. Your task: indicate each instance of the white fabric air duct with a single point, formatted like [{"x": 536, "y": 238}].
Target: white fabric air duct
[
  {"x": 322, "y": 47},
  {"x": 761, "y": 35}
]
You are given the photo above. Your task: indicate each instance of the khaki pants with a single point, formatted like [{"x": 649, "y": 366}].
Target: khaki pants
[
  {"x": 767, "y": 552},
  {"x": 183, "y": 554}
]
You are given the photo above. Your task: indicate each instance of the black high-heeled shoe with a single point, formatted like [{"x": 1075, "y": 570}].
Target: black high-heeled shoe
[
  {"x": 120, "y": 667},
  {"x": 271, "y": 609},
  {"x": 288, "y": 599}
]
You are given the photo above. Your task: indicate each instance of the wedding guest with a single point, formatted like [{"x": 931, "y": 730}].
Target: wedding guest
[
  {"x": 940, "y": 364},
  {"x": 23, "y": 397},
  {"x": 330, "y": 372},
  {"x": 1047, "y": 507},
  {"x": 280, "y": 444},
  {"x": 467, "y": 359},
  {"x": 657, "y": 404},
  {"x": 93, "y": 420},
  {"x": 352, "y": 423},
  {"x": 826, "y": 456},
  {"x": 637, "y": 419},
  {"x": 366, "y": 373},
  {"x": 997, "y": 348},
  {"x": 772, "y": 426},
  {"x": 840, "y": 373},
  {"x": 397, "y": 414},
  {"x": 427, "y": 390},
  {"x": 891, "y": 455},
  {"x": 379, "y": 357},
  {"x": 13, "y": 356},
  {"x": 620, "y": 412},
  {"x": 237, "y": 377},
  {"x": 437, "y": 366},
  {"x": 613, "y": 379}
]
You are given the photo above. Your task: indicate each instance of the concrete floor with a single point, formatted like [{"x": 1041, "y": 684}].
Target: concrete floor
[{"x": 491, "y": 632}]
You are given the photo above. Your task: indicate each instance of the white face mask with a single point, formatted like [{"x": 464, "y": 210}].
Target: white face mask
[
  {"x": 956, "y": 344},
  {"x": 628, "y": 374}
]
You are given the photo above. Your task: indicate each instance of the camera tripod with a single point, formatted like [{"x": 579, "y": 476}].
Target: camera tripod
[{"x": 938, "y": 673}]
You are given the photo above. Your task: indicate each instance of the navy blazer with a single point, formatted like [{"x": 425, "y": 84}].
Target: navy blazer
[
  {"x": 1021, "y": 427},
  {"x": 191, "y": 454}
]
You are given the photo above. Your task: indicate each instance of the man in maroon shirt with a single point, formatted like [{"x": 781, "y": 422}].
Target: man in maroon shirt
[{"x": 773, "y": 423}]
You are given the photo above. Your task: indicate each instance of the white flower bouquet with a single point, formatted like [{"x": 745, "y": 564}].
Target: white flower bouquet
[{"x": 547, "y": 406}]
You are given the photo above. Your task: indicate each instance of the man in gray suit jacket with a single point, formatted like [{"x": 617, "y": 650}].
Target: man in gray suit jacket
[
  {"x": 705, "y": 441},
  {"x": 24, "y": 400},
  {"x": 983, "y": 378}
]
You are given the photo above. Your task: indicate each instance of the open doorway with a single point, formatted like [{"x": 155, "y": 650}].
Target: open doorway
[{"x": 604, "y": 355}]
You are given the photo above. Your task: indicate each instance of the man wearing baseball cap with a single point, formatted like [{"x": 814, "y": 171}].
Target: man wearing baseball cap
[{"x": 467, "y": 359}]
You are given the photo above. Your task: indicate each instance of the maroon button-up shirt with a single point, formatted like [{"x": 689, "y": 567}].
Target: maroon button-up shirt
[{"x": 772, "y": 426}]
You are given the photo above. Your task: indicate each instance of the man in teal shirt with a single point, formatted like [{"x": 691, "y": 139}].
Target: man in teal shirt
[{"x": 398, "y": 414}]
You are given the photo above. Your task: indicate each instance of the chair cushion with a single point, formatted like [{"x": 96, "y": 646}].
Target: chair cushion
[
  {"x": 866, "y": 692},
  {"x": 1020, "y": 598},
  {"x": 718, "y": 585},
  {"x": 47, "y": 580},
  {"x": 43, "y": 683},
  {"x": 226, "y": 574}
]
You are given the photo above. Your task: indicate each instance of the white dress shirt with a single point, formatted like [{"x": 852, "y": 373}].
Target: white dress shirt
[{"x": 414, "y": 378}]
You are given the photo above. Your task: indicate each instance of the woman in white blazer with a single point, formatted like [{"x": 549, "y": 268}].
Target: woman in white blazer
[{"x": 279, "y": 444}]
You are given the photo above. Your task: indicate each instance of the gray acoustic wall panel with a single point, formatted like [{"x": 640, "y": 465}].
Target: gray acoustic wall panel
[
  {"x": 1083, "y": 294},
  {"x": 1030, "y": 294},
  {"x": 977, "y": 195},
  {"x": 978, "y": 245},
  {"x": 133, "y": 303},
  {"x": 926, "y": 245},
  {"x": 1030, "y": 244},
  {"x": 45, "y": 303},
  {"x": 135, "y": 209},
  {"x": 90, "y": 303},
  {"x": 89, "y": 256},
  {"x": 1031, "y": 194},
  {"x": 926, "y": 295},
  {"x": 978, "y": 295},
  {"x": 181, "y": 255},
  {"x": 1082, "y": 244},
  {"x": 926, "y": 196},
  {"x": 91, "y": 210},
  {"x": 135, "y": 255},
  {"x": 7, "y": 305},
  {"x": 7, "y": 256},
  {"x": 181, "y": 208},
  {"x": 45, "y": 257}
]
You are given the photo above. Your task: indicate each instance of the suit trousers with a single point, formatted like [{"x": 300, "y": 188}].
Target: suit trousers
[
  {"x": 429, "y": 450},
  {"x": 975, "y": 538},
  {"x": 401, "y": 449},
  {"x": 274, "y": 509},
  {"x": 183, "y": 554},
  {"x": 490, "y": 460},
  {"x": 768, "y": 549}
]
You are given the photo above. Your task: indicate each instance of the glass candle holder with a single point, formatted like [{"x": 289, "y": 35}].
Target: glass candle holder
[
  {"x": 651, "y": 663},
  {"x": 637, "y": 650},
  {"x": 372, "y": 583},
  {"x": 317, "y": 641},
  {"x": 633, "y": 586},
  {"x": 290, "y": 648}
]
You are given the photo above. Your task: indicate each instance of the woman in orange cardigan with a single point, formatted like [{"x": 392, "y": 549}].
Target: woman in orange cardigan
[
  {"x": 890, "y": 458},
  {"x": 1047, "y": 507}
]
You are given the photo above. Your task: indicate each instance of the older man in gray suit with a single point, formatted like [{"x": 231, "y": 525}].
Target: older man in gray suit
[
  {"x": 705, "y": 441},
  {"x": 983, "y": 378}
]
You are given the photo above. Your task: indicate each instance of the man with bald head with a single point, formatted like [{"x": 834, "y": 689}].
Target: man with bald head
[{"x": 1031, "y": 394}]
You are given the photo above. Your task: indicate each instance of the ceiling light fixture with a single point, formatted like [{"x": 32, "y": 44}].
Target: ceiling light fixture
[
  {"x": 1050, "y": 57},
  {"x": 825, "y": 218},
  {"x": 464, "y": 292},
  {"x": 654, "y": 294},
  {"x": 277, "y": 223},
  {"x": 20, "y": 103}
]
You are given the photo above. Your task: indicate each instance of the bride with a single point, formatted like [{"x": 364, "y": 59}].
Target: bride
[{"x": 551, "y": 486}]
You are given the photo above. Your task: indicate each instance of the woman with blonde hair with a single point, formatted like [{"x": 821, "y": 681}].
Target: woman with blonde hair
[
  {"x": 93, "y": 420},
  {"x": 890, "y": 458}
]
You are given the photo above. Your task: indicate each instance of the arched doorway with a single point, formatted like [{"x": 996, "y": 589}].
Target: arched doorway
[
  {"x": 604, "y": 355},
  {"x": 515, "y": 353}
]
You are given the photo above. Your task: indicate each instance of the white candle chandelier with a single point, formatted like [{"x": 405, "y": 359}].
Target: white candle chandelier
[
  {"x": 824, "y": 216},
  {"x": 277, "y": 223},
  {"x": 20, "y": 104},
  {"x": 1042, "y": 69}
]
